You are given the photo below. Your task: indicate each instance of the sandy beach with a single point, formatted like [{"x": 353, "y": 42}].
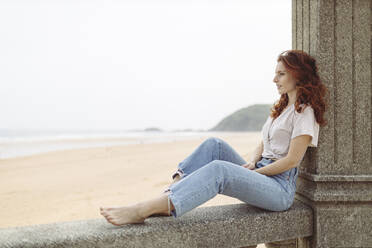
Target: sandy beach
[{"x": 72, "y": 185}]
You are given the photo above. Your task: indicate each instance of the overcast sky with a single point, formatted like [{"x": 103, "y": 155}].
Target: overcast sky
[{"x": 135, "y": 64}]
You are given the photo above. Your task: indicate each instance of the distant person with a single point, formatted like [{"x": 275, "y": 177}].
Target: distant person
[{"x": 268, "y": 180}]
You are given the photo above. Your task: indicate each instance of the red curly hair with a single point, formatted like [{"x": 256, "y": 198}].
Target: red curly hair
[{"x": 310, "y": 89}]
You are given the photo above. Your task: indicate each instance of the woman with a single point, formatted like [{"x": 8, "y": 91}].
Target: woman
[{"x": 268, "y": 180}]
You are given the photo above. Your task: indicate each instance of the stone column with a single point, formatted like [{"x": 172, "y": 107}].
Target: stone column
[{"x": 335, "y": 178}]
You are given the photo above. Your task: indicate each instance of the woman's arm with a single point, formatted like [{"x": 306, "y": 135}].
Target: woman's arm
[
  {"x": 276, "y": 167},
  {"x": 256, "y": 155},
  {"x": 297, "y": 149}
]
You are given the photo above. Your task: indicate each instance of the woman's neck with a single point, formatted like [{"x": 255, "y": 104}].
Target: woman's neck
[{"x": 291, "y": 97}]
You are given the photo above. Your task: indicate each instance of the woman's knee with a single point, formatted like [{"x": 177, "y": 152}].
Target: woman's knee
[
  {"x": 216, "y": 167},
  {"x": 213, "y": 140}
]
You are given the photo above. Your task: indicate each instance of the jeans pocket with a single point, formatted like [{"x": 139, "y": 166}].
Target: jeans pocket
[
  {"x": 286, "y": 175},
  {"x": 283, "y": 181}
]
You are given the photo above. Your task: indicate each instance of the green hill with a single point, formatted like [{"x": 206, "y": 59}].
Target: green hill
[{"x": 250, "y": 118}]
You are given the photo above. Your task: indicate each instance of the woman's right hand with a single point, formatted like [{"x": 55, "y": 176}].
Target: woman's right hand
[{"x": 250, "y": 165}]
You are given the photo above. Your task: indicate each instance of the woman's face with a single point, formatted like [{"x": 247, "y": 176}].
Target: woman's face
[{"x": 284, "y": 81}]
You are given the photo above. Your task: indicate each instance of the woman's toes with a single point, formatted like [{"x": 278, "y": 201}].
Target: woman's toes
[
  {"x": 113, "y": 221},
  {"x": 121, "y": 215}
]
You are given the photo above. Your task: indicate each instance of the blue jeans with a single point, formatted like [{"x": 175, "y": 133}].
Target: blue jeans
[{"x": 215, "y": 168}]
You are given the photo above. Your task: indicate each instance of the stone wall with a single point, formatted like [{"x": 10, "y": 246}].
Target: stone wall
[{"x": 336, "y": 177}]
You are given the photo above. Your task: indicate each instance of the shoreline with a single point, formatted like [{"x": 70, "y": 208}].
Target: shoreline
[{"x": 27, "y": 148}]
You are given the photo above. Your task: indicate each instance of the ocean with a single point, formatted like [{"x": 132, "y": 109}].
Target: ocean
[{"x": 19, "y": 143}]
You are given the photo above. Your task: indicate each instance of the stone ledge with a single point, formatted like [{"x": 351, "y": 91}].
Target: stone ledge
[
  {"x": 332, "y": 191},
  {"x": 334, "y": 178},
  {"x": 234, "y": 225}
]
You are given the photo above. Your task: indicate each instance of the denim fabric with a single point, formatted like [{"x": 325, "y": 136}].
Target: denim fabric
[{"x": 214, "y": 167}]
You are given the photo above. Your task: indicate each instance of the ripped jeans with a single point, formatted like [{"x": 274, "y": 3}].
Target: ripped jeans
[{"x": 215, "y": 168}]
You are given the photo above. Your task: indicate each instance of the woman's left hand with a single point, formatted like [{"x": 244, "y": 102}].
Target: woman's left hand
[{"x": 250, "y": 165}]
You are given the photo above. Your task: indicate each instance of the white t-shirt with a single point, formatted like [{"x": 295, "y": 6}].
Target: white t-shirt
[{"x": 289, "y": 124}]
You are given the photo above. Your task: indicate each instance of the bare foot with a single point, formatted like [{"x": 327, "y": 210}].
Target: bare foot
[
  {"x": 161, "y": 214},
  {"x": 122, "y": 215},
  {"x": 176, "y": 179}
]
